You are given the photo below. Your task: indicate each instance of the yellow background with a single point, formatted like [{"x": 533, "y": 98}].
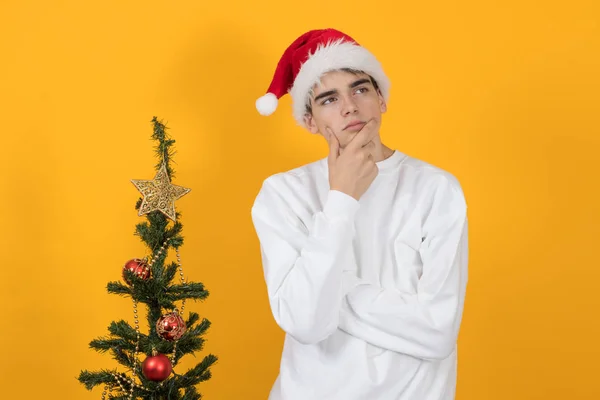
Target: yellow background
[{"x": 502, "y": 94}]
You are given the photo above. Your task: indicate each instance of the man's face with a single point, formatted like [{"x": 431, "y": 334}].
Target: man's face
[{"x": 344, "y": 103}]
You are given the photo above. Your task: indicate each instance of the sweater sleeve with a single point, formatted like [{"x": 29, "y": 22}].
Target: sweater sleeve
[
  {"x": 426, "y": 324},
  {"x": 303, "y": 268}
]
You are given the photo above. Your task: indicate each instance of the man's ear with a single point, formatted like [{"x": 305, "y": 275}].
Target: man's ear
[
  {"x": 382, "y": 104},
  {"x": 309, "y": 121}
]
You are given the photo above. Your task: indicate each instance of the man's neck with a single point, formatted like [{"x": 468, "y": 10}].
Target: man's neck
[{"x": 382, "y": 152}]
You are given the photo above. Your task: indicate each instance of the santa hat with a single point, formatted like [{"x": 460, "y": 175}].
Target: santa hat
[{"x": 307, "y": 59}]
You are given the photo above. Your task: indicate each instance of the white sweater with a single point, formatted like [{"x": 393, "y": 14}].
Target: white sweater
[{"x": 370, "y": 293}]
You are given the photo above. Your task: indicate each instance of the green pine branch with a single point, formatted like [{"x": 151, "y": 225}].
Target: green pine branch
[
  {"x": 199, "y": 373},
  {"x": 191, "y": 394},
  {"x": 91, "y": 379},
  {"x": 170, "y": 272},
  {"x": 191, "y": 290},
  {"x": 123, "y": 336},
  {"x": 105, "y": 378},
  {"x": 123, "y": 329},
  {"x": 119, "y": 288},
  {"x": 104, "y": 343},
  {"x": 154, "y": 231},
  {"x": 164, "y": 149},
  {"x": 121, "y": 356},
  {"x": 192, "y": 319},
  {"x": 158, "y": 292}
]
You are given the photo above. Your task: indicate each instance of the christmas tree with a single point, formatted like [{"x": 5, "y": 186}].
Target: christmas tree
[{"x": 149, "y": 282}]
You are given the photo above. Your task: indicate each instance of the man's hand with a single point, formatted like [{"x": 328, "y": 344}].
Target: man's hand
[{"x": 353, "y": 171}]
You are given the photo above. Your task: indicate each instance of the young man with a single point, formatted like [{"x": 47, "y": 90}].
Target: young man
[{"x": 365, "y": 251}]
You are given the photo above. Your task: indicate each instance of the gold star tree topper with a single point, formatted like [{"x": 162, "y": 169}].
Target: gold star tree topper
[{"x": 159, "y": 194}]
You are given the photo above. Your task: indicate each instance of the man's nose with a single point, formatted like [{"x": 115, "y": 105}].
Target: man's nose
[{"x": 349, "y": 105}]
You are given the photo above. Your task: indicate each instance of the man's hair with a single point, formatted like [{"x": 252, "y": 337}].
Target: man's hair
[{"x": 349, "y": 70}]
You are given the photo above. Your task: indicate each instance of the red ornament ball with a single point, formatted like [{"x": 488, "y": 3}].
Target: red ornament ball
[
  {"x": 139, "y": 267},
  {"x": 170, "y": 326},
  {"x": 157, "y": 368}
]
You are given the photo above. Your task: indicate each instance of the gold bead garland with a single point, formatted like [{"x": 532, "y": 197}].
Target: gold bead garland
[
  {"x": 106, "y": 388},
  {"x": 173, "y": 356},
  {"x": 124, "y": 379}
]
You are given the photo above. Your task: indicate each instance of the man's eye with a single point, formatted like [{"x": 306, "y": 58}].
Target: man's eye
[
  {"x": 328, "y": 100},
  {"x": 362, "y": 90}
]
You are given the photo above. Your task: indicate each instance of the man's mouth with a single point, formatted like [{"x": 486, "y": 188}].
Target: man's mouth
[{"x": 354, "y": 125}]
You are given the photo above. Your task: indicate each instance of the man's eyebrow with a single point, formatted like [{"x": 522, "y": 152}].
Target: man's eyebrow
[
  {"x": 359, "y": 82},
  {"x": 325, "y": 94}
]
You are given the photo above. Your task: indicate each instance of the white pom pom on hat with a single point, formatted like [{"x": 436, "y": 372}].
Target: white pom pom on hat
[
  {"x": 309, "y": 57},
  {"x": 267, "y": 104}
]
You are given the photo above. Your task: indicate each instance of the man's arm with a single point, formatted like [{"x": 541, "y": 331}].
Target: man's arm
[
  {"x": 426, "y": 324},
  {"x": 303, "y": 269}
]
